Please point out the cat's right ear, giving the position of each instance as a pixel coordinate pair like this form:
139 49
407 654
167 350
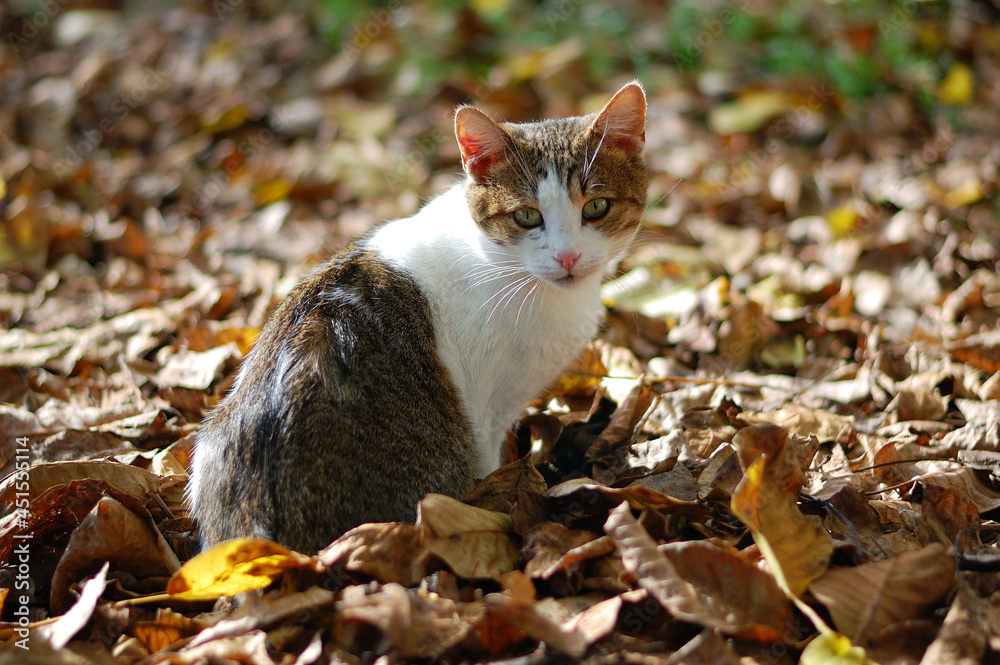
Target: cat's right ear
482 142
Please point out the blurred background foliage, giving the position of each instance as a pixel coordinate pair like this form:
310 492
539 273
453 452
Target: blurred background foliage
862 48
205 110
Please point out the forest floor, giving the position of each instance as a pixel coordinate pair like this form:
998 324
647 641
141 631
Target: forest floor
789 425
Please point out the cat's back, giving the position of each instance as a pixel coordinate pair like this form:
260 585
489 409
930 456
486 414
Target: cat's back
307 444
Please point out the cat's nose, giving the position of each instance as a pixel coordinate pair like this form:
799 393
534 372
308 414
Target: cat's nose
568 260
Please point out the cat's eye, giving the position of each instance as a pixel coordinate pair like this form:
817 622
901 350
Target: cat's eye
595 209
528 218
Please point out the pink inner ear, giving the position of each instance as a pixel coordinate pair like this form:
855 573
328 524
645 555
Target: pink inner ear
480 140
622 122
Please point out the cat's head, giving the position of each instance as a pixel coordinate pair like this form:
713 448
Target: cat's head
562 197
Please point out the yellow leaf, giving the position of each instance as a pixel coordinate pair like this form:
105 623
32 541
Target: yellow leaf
233 567
833 649
958 85
583 376
490 7
842 220
964 194
748 113
3 188
272 191
244 337
797 547
231 118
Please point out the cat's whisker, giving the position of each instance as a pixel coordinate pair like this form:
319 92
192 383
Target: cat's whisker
498 294
527 296
506 294
511 294
488 279
485 274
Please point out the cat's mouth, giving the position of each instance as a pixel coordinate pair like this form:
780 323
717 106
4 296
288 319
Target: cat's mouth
568 280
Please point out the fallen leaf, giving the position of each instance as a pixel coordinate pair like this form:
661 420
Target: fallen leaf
968 628
747 602
418 625
473 542
195 370
958 86
694 594
833 649
751 111
867 598
522 614
59 634
796 546
391 552
233 567
131 480
110 532
167 628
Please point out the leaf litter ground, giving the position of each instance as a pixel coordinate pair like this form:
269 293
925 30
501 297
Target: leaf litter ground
790 421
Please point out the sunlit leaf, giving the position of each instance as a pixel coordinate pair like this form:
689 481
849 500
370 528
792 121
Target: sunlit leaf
272 191
748 113
833 649
842 220
958 86
796 546
233 567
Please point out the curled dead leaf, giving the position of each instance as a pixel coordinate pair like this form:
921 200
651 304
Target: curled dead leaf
796 546
110 532
473 542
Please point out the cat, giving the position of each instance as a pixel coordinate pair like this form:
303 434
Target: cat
398 367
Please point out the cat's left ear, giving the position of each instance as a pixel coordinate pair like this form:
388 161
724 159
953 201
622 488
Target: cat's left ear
482 141
622 121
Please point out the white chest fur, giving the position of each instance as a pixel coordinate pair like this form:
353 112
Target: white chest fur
502 334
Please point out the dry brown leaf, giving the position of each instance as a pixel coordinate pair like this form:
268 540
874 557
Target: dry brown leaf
967 482
111 532
473 542
916 402
591 550
700 593
417 624
746 328
195 370
548 543
866 599
263 612
970 625
583 375
167 628
391 552
59 634
621 430
891 468
494 492
138 483
950 509
637 495
650 568
879 528
825 426
746 600
522 614
981 351
796 546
